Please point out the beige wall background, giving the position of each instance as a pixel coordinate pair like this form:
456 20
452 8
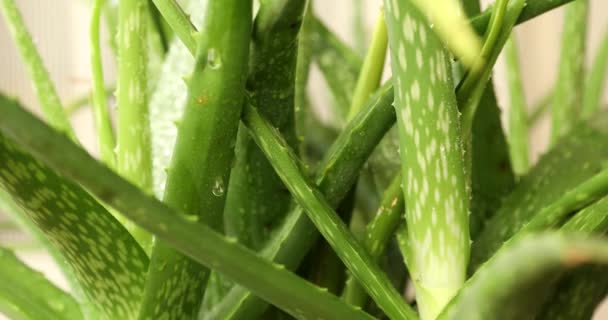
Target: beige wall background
60 28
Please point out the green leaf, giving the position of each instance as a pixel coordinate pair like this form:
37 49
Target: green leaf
545 185
491 174
257 199
103 123
133 151
201 162
451 26
21 218
596 80
26 294
178 20
329 224
377 235
532 9
518 118
568 92
434 180
45 90
105 259
269 281
507 286
336 175
578 293
168 102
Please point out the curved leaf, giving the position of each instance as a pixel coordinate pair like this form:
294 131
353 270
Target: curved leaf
105 259
545 184
505 287
270 281
26 294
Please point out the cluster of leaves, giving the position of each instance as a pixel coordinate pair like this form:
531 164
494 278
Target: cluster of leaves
211 194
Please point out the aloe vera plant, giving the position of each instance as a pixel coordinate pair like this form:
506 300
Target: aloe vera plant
221 193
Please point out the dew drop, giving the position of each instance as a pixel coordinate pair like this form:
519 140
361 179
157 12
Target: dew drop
218 187
214 61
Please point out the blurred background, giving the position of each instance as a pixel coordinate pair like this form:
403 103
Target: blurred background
60 29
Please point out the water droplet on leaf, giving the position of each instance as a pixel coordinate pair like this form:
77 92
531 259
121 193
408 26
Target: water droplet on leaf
218 187
214 61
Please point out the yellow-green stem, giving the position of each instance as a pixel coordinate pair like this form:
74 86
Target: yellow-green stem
373 65
133 148
105 134
518 119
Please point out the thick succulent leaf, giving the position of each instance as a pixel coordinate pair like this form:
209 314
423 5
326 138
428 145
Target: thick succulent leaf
491 174
168 101
435 184
532 9
43 85
568 93
578 293
335 177
378 232
505 287
105 259
269 281
329 224
452 27
26 294
201 162
257 199
20 217
545 184
596 80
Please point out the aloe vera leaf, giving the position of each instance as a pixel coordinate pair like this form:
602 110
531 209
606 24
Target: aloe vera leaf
377 235
302 109
596 80
322 266
105 133
133 151
471 7
580 291
471 90
337 173
30 295
518 119
43 85
300 220
339 66
371 71
546 188
491 175
270 281
257 199
168 101
434 179
333 229
104 258
532 9
504 287
19 216
179 21
568 91
451 26
201 161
